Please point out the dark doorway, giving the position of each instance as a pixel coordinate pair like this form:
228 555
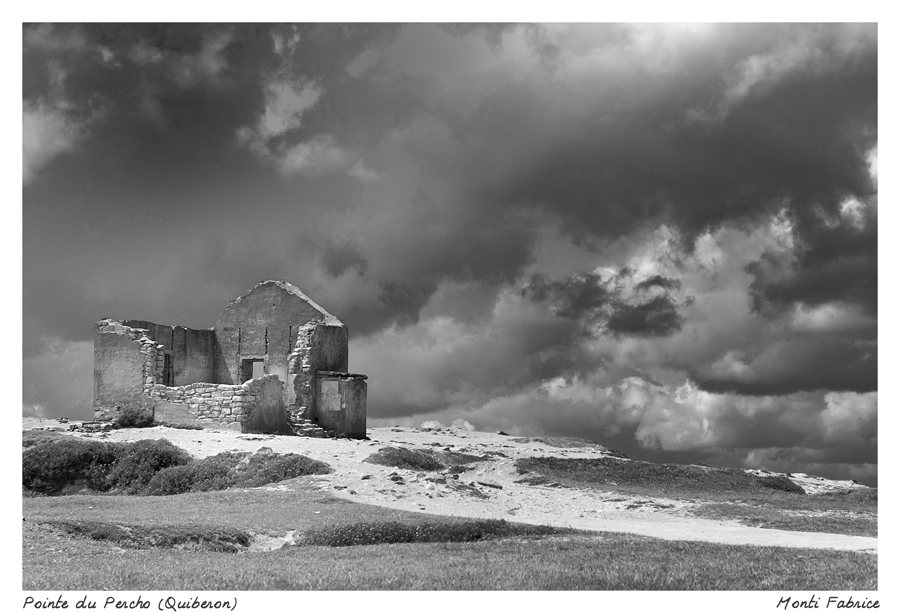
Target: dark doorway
252 369
168 373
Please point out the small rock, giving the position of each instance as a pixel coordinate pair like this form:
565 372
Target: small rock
365 477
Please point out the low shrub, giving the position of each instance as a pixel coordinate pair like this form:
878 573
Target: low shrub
781 483
138 462
230 469
261 469
48 467
31 438
204 475
400 457
198 538
376 533
134 417
150 467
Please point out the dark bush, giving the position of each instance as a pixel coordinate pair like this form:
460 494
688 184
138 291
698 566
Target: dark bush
134 417
230 469
375 533
170 481
150 467
31 438
262 469
48 467
138 462
204 475
400 457
781 483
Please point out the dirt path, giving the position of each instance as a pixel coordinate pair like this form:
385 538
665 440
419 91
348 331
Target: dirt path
490 490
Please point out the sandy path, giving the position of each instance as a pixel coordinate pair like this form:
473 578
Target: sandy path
490 489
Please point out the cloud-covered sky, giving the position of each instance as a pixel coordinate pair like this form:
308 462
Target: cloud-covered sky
661 237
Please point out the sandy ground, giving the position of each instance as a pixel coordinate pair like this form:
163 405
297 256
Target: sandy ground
489 490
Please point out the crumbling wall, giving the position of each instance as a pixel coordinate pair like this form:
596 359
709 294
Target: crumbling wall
126 359
207 404
192 352
341 402
268 413
318 347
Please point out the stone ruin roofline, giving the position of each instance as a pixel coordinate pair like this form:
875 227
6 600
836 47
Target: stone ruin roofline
330 320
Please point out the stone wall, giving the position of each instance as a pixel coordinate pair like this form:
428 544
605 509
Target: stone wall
341 402
318 347
125 361
263 324
193 352
210 403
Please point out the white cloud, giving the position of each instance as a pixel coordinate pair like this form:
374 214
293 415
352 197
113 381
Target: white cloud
286 102
850 419
313 157
47 131
285 45
362 172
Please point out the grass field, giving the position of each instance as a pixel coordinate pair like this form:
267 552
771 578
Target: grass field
54 558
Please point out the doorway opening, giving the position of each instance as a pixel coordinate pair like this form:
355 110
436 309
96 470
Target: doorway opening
253 368
168 373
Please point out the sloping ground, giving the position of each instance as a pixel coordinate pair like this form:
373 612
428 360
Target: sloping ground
480 479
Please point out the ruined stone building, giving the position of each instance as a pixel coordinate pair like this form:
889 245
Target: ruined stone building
274 362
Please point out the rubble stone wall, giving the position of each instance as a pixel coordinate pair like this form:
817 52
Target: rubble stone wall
210 402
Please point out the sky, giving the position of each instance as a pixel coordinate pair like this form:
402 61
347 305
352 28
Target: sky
659 237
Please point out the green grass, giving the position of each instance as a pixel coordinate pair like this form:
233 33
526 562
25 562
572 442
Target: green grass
304 507
613 562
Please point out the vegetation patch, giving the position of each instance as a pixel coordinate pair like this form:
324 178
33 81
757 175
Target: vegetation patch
568 442
647 477
134 417
48 467
426 459
230 469
196 538
401 457
379 533
30 438
51 465
800 520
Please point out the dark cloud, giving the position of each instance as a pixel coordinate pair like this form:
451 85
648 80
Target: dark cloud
336 260
657 317
588 298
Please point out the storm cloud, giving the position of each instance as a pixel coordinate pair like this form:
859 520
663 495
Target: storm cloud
663 236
